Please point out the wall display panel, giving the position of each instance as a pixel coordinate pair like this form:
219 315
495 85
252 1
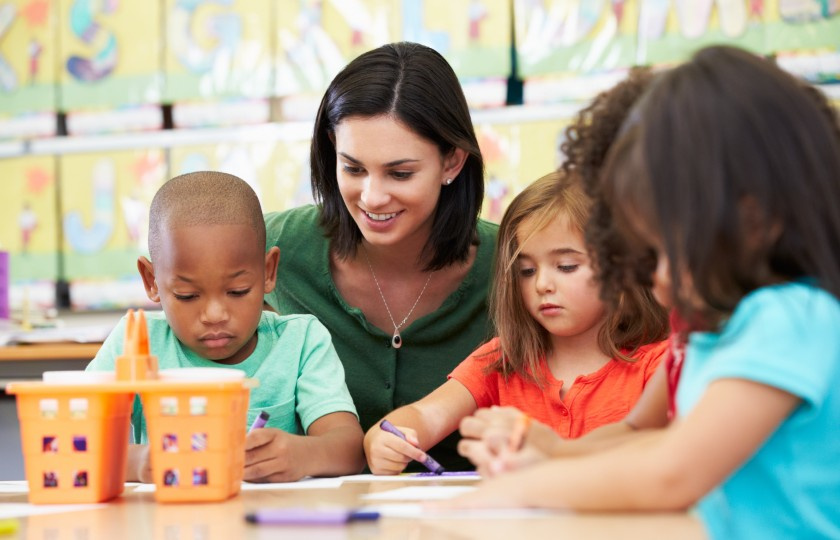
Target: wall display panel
29 228
670 31
218 48
515 155
574 36
110 54
278 171
104 199
27 68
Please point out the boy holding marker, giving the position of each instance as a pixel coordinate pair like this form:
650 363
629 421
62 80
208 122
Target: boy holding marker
212 302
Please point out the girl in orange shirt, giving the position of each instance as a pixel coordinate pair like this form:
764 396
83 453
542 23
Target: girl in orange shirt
562 355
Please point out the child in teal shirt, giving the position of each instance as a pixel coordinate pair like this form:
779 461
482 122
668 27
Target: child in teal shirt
209 271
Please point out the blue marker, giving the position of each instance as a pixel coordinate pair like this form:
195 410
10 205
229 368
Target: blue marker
259 421
430 463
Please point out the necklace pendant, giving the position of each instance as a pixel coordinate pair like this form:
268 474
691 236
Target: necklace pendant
396 341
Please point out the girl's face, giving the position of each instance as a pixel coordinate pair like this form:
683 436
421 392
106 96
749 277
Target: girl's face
556 279
390 178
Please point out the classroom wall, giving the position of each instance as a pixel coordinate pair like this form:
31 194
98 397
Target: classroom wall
89 92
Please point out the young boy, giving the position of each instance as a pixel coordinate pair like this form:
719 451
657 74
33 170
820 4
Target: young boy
209 271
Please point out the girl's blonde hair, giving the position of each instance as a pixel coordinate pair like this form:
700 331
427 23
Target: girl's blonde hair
634 321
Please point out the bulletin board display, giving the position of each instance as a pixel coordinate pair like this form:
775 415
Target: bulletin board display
104 199
218 48
574 36
27 57
515 155
317 38
109 54
274 169
29 228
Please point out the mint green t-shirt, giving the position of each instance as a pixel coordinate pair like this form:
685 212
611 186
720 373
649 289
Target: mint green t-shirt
379 377
300 376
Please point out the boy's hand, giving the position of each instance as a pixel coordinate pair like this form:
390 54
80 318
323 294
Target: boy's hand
272 455
138 464
388 454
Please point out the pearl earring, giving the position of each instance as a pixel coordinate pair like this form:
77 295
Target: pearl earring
448 181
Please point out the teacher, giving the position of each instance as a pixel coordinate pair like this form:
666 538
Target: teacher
393 259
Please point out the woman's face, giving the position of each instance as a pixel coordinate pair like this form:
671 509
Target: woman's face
390 178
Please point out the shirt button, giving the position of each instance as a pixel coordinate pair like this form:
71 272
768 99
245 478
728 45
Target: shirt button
387 386
564 412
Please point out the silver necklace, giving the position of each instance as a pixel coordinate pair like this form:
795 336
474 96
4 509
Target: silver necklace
396 339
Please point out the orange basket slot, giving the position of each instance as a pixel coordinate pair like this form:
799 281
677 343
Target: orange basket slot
74 440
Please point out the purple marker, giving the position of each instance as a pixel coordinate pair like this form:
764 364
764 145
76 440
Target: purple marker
430 463
259 421
308 516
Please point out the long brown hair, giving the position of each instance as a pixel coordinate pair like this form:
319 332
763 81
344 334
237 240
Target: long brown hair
634 321
735 165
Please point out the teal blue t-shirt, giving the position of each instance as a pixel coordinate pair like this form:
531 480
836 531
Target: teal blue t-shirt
300 376
788 337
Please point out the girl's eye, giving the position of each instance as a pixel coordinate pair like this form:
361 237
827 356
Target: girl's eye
352 171
402 175
241 292
568 268
527 272
184 297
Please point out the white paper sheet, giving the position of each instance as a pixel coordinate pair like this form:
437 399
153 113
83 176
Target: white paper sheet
13 510
305 483
419 493
14 486
412 477
418 511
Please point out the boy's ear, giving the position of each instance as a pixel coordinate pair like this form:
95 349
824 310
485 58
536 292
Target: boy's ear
147 273
272 259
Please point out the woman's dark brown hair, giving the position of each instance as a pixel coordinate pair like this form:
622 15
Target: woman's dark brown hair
417 87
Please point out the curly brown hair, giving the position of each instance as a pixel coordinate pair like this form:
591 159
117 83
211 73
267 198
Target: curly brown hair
588 139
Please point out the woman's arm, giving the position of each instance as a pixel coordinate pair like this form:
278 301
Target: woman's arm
424 423
661 469
332 447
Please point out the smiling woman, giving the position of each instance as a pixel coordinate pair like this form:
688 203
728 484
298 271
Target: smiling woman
393 260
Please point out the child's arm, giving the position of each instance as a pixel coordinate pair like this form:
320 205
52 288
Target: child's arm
138 468
487 432
332 447
424 423
663 469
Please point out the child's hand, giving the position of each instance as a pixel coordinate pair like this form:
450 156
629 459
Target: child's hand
487 435
388 454
138 464
272 455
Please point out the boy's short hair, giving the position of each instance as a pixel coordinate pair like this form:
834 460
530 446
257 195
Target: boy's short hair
204 198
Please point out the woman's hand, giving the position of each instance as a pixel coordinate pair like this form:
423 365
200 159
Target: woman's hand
387 453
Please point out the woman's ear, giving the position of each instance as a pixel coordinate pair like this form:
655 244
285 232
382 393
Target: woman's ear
452 164
147 273
272 259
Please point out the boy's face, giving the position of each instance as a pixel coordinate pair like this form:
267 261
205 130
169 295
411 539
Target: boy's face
210 281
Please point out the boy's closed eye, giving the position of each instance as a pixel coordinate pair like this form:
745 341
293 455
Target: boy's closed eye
239 292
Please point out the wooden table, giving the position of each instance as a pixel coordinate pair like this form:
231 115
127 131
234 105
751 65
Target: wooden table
138 516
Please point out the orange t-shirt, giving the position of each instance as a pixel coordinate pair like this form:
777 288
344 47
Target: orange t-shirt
593 400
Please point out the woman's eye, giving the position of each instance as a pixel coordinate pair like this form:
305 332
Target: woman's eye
402 175
352 171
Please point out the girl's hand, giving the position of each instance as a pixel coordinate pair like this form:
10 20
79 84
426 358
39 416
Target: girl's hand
487 439
388 454
272 455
